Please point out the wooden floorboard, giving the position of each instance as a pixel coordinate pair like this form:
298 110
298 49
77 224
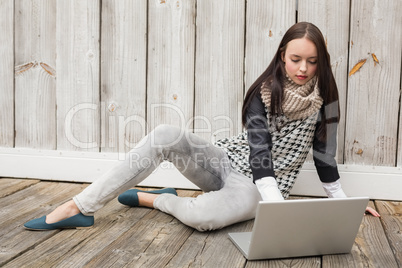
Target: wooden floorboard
371 248
391 218
10 186
142 237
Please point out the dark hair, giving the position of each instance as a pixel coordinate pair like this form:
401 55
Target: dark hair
275 74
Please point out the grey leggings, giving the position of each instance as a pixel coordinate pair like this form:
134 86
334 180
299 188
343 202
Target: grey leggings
229 196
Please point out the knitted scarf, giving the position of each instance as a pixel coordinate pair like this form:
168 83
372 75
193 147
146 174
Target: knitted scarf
299 101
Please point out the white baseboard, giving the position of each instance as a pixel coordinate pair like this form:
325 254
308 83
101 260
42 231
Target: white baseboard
357 180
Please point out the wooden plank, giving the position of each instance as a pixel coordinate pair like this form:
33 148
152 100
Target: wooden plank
293 262
219 68
132 246
332 18
35 106
399 152
7 73
371 248
211 249
266 23
24 205
35 75
78 116
9 186
371 136
123 74
171 56
391 218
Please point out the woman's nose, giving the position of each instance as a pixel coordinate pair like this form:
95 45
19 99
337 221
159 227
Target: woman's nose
303 67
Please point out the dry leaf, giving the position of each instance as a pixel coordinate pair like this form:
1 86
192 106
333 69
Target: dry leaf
357 67
270 33
375 59
359 152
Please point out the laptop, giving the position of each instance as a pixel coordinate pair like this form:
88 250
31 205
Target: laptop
302 227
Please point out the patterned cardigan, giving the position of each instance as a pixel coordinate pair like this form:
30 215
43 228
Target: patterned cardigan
279 150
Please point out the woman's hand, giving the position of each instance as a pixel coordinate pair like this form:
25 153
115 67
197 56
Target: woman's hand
372 212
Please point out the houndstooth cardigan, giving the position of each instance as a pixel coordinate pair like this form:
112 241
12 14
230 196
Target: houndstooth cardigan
279 150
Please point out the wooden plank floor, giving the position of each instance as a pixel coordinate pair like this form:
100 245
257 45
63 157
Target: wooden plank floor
142 237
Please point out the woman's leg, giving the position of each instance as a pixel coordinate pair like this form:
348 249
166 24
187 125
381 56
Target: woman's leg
198 160
236 202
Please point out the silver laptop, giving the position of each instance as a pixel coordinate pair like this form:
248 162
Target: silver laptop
303 227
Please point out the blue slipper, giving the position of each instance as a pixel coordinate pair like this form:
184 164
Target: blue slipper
130 197
76 221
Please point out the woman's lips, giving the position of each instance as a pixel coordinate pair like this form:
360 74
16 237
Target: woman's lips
301 77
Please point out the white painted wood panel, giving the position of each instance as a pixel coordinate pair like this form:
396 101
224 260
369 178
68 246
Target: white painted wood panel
35 75
123 74
374 90
332 18
266 23
7 73
399 149
219 68
78 116
171 56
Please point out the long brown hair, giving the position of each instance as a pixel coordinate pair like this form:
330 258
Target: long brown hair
275 74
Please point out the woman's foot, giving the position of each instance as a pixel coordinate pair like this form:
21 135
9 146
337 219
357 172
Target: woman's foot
136 197
146 199
63 212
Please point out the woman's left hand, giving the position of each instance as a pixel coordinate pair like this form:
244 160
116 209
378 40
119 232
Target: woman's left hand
372 212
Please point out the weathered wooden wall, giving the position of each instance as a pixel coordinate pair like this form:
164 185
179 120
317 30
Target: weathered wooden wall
98 75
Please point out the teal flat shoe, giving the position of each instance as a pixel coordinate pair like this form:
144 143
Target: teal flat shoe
76 221
130 197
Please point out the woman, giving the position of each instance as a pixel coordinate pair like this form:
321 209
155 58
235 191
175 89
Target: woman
290 108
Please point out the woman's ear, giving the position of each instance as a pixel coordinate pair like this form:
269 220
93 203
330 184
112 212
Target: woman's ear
283 56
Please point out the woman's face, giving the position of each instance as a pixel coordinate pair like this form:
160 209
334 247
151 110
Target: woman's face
300 60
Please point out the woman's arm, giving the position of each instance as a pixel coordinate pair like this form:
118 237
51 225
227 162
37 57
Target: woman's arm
260 143
324 152
324 159
259 140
